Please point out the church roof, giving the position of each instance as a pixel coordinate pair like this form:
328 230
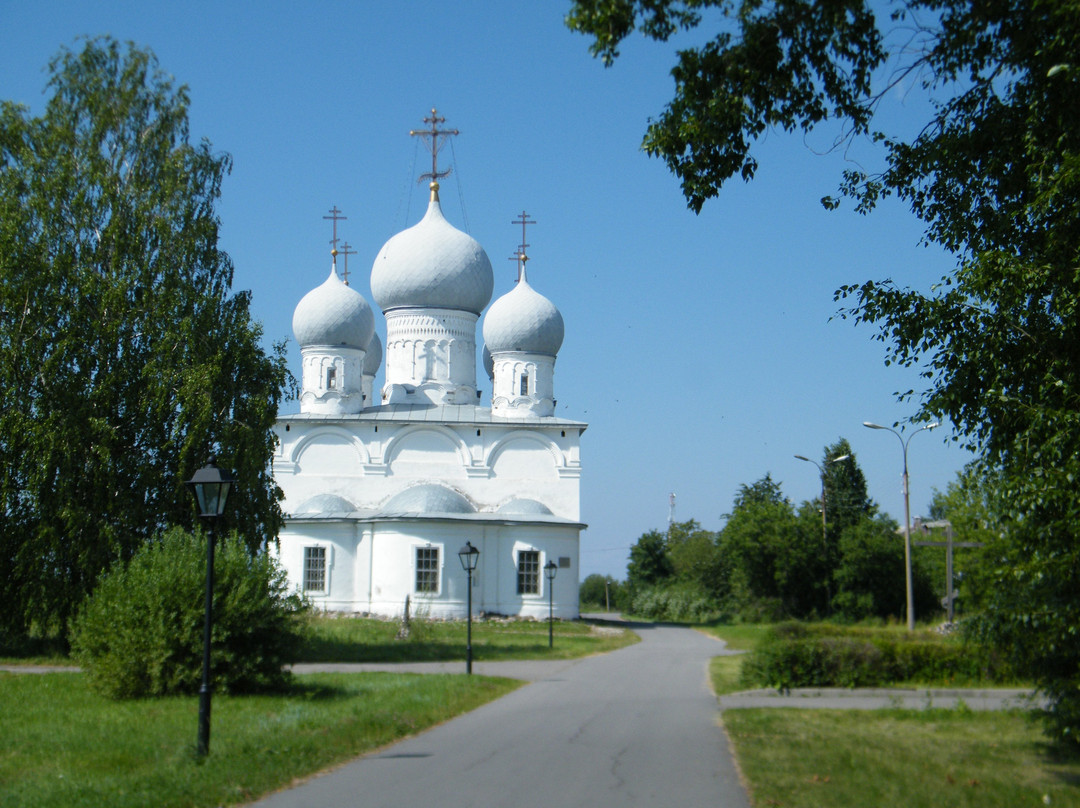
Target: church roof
325 503
434 414
524 507
432 265
428 498
333 314
523 320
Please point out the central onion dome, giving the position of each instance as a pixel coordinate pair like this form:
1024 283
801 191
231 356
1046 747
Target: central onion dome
432 265
333 314
523 320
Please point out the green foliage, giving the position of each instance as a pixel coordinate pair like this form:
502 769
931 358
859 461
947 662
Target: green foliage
798 655
870 576
649 560
677 602
994 175
141 632
787 65
601 591
775 559
125 362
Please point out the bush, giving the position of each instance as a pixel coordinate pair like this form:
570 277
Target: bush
677 602
799 655
598 591
140 633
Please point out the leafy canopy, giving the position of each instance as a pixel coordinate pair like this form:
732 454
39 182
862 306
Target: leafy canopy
125 359
993 174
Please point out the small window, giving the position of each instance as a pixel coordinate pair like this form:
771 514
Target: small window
314 569
331 378
525 385
528 572
427 569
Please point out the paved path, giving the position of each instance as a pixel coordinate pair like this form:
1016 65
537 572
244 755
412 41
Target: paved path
829 698
636 727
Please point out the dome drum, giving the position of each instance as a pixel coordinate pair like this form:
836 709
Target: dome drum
523 385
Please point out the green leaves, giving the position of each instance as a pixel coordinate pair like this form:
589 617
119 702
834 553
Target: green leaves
121 344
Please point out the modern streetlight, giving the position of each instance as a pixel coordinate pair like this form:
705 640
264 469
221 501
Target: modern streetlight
907 514
550 570
211 488
824 535
468 555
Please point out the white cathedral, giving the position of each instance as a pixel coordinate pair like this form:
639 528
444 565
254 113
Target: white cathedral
381 494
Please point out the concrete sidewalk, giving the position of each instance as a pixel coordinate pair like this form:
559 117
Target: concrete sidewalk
830 698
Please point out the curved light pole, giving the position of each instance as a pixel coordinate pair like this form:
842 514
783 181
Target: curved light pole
907 514
824 535
210 486
550 570
468 555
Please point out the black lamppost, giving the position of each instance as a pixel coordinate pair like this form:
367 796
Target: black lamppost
907 514
211 488
550 569
468 555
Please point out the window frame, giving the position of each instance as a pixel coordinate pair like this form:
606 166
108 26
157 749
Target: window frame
305 578
535 557
434 571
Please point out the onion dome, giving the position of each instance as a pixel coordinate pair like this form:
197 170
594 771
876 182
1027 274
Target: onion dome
432 265
489 362
373 357
523 320
333 314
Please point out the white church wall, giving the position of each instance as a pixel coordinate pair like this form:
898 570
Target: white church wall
339 541
394 564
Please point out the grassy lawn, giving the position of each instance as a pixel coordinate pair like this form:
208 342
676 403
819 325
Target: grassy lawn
889 758
62 745
345 639
900 759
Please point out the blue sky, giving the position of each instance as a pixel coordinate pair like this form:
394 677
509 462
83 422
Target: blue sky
698 347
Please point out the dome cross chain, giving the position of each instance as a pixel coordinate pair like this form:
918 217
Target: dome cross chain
434 138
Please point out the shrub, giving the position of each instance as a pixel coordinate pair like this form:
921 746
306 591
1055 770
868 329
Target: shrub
140 633
678 602
799 655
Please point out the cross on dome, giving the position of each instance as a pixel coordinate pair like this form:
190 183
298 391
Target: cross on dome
346 251
434 138
524 220
335 214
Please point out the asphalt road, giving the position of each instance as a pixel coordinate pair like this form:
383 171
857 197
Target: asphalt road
637 727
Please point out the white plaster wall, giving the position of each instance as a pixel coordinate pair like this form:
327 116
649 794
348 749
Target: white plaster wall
367 467
342 540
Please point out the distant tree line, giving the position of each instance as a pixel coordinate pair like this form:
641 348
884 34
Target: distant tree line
774 560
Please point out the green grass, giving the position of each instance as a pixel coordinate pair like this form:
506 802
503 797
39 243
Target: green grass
347 639
739 637
900 759
62 745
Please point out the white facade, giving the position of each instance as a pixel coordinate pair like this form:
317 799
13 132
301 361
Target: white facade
381 496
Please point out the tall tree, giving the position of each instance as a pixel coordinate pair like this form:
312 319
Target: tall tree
994 174
846 497
125 359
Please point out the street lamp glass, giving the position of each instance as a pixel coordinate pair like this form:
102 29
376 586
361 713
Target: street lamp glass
550 569
211 486
468 555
